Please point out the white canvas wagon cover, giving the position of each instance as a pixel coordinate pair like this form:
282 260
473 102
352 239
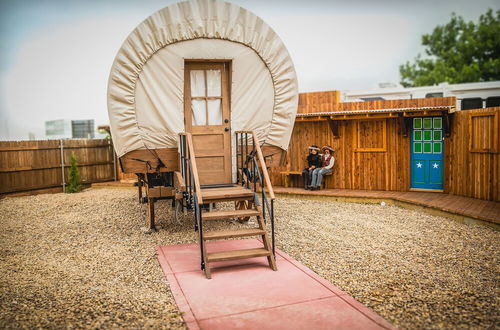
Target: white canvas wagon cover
146 84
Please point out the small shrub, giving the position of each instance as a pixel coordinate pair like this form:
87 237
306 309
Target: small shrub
74 177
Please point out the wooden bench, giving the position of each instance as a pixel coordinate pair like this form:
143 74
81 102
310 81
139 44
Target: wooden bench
286 177
323 182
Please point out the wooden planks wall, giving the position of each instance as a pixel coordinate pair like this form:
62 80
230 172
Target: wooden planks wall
352 170
329 102
393 104
318 101
125 177
473 172
31 166
370 154
472 159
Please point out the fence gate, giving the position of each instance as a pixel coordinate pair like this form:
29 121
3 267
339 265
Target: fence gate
427 147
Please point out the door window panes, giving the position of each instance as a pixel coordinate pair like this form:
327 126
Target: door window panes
427 135
417 135
438 135
437 146
197 83
214 112
417 147
417 123
199 116
438 122
427 147
427 123
214 83
206 97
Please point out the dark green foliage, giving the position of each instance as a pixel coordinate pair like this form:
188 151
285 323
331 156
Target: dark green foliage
74 176
457 52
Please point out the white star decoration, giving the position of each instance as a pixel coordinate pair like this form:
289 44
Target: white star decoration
435 165
419 165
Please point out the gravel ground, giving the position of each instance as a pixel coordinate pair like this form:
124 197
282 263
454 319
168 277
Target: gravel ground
81 260
414 269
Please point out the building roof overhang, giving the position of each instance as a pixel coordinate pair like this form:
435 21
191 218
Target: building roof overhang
376 113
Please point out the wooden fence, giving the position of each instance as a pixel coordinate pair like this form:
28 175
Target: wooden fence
318 101
381 170
472 160
37 166
472 157
329 102
370 160
393 104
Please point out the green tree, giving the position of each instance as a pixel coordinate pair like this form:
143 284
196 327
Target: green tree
74 176
457 52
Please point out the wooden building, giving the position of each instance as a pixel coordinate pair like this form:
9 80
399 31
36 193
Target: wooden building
399 145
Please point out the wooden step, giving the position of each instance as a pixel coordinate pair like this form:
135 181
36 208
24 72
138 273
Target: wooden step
226 193
237 254
228 214
233 233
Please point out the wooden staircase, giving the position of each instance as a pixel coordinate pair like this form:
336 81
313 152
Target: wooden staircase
244 195
235 194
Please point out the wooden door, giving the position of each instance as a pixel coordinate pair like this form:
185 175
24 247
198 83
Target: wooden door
427 146
207 118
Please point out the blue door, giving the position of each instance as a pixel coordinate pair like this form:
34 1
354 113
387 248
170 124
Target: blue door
427 149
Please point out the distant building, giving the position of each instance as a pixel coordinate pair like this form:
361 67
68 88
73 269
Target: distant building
469 95
70 129
82 129
58 129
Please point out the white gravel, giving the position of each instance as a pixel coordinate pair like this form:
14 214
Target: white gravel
81 261
414 269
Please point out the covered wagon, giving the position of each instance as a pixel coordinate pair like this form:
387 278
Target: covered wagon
202 97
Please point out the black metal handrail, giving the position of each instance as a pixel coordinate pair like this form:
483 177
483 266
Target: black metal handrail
192 194
249 174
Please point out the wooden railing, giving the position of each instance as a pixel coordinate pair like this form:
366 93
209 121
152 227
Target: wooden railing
242 143
263 167
189 168
193 196
252 170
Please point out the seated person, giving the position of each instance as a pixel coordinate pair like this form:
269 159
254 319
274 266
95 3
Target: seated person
327 162
313 162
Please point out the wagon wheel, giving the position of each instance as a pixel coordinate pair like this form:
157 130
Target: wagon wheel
243 205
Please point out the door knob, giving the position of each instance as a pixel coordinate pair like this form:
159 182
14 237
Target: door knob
226 129
226 121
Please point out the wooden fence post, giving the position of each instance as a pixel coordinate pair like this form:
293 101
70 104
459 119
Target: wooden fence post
113 154
62 165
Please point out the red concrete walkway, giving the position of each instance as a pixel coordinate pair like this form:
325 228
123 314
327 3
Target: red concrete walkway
247 294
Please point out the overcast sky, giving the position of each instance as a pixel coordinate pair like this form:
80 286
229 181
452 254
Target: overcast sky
55 56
